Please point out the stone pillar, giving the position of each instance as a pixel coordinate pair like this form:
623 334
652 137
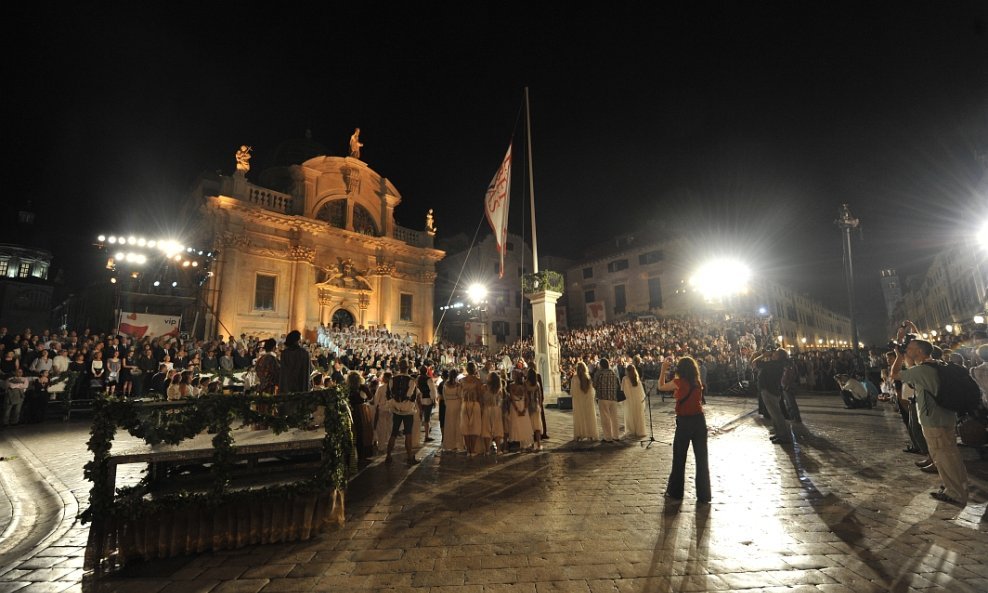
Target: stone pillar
547 341
227 302
302 262
385 300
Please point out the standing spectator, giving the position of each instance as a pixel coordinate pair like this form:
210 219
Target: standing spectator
60 363
939 424
268 368
605 383
296 367
16 386
403 395
691 427
980 373
429 394
771 366
358 397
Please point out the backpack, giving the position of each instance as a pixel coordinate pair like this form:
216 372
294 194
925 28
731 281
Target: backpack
958 391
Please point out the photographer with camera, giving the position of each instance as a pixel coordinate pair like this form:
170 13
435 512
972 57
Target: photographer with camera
938 423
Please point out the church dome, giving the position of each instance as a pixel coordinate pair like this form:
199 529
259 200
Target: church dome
290 152
297 151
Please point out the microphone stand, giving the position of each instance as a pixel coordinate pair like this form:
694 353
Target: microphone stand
651 430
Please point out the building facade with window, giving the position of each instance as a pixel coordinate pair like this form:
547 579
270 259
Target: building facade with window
25 291
316 244
631 276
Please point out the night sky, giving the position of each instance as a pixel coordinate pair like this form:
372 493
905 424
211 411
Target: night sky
744 124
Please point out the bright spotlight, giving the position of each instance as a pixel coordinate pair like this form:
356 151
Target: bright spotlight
949 328
101 238
983 235
152 243
979 318
132 240
142 242
762 311
111 240
113 280
141 258
174 284
477 292
157 282
721 278
119 255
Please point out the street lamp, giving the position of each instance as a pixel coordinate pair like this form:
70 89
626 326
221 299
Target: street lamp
477 293
846 222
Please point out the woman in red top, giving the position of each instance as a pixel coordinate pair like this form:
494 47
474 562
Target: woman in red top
691 427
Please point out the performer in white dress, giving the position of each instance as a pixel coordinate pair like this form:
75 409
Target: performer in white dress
634 404
584 410
452 436
491 416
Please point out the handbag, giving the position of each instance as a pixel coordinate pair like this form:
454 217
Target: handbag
620 395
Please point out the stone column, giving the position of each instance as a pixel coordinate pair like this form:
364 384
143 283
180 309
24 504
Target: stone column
385 301
302 258
547 341
226 308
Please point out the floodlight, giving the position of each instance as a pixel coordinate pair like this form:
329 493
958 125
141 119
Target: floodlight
983 235
949 328
101 238
111 240
720 278
477 292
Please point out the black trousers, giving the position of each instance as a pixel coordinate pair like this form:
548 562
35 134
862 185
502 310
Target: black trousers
690 429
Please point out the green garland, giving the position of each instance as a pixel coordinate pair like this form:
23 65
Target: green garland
216 413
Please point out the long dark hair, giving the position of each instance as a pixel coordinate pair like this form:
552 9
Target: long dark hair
688 370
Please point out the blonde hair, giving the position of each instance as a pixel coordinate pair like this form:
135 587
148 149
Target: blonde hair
632 374
583 375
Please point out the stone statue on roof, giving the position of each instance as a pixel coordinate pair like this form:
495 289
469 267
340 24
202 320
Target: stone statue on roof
355 144
243 158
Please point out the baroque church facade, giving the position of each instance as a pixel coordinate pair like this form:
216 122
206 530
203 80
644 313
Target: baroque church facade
313 243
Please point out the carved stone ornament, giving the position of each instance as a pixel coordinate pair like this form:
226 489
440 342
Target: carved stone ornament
231 239
345 275
384 269
302 253
429 276
351 179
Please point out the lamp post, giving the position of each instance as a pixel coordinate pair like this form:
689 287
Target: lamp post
846 223
477 293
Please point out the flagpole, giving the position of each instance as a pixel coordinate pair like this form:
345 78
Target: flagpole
531 186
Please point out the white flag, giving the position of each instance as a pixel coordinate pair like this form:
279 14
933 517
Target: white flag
496 205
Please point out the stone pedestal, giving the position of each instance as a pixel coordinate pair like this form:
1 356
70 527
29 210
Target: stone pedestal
547 342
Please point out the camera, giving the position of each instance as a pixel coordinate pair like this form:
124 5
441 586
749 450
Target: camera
900 347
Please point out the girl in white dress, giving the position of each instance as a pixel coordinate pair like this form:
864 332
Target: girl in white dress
584 411
452 436
491 417
634 405
533 396
519 423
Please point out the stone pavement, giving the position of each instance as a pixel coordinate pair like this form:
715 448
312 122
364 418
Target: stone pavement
842 510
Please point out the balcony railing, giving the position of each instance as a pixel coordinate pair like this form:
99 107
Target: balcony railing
270 200
413 237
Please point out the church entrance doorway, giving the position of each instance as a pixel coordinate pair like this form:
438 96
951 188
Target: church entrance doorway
343 319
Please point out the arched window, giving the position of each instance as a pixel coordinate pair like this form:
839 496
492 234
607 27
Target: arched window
334 213
363 222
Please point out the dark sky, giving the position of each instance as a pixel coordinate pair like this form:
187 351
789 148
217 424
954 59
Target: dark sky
746 124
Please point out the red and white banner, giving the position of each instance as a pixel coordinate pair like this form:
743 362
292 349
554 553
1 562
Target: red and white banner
596 314
140 325
496 205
